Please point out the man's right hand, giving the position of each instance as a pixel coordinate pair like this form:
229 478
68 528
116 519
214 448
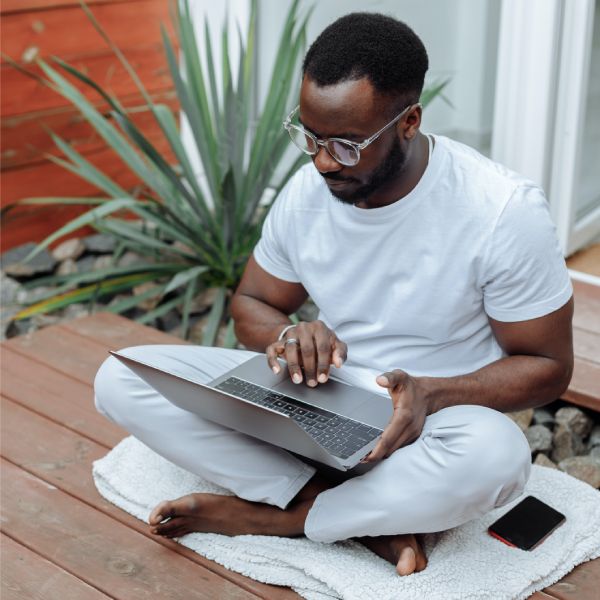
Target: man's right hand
309 346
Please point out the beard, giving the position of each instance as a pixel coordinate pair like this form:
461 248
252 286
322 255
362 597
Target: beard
386 172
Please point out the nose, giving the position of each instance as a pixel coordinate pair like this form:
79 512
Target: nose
325 163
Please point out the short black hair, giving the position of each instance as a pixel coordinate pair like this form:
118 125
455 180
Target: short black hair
372 45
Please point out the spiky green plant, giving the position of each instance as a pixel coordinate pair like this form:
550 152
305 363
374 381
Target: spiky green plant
193 234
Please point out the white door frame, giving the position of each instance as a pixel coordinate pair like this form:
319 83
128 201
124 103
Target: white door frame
540 102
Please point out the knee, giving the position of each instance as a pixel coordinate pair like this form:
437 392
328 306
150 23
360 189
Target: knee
109 384
497 457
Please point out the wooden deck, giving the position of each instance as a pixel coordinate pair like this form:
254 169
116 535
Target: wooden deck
60 539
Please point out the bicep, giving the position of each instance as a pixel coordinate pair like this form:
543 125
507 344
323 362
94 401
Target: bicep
260 285
550 336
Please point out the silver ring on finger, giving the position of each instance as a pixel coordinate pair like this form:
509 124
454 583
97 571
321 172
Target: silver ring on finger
291 341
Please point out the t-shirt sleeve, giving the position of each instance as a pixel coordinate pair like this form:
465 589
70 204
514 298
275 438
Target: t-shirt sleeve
525 276
272 252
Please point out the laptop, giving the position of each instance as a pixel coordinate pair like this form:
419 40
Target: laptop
335 424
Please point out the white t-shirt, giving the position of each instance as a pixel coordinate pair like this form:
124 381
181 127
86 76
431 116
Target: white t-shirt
410 285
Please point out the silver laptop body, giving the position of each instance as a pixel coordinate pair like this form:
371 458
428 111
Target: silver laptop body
335 423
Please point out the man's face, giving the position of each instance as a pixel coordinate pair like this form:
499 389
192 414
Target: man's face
354 111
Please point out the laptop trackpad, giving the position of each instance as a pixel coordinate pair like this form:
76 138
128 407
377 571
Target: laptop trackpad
333 396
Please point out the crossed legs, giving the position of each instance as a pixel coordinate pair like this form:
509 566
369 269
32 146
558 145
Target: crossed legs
468 460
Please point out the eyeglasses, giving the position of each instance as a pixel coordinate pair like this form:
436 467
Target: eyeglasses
345 152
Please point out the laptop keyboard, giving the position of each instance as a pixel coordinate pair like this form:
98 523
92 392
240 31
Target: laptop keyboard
339 435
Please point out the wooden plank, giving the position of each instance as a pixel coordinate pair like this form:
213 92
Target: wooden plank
584 389
47 179
56 396
148 60
586 345
582 583
66 352
67 32
64 458
28 576
114 331
25 140
10 6
587 306
92 546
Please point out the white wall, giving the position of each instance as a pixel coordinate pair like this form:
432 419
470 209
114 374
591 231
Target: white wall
461 41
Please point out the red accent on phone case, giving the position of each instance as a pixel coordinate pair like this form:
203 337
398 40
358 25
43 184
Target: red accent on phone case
498 537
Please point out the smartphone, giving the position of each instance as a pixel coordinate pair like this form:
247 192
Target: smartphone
527 524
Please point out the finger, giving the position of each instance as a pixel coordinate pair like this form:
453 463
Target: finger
392 437
307 353
392 379
292 358
340 352
272 352
324 347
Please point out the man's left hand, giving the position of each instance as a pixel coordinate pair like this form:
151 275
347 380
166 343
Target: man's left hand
410 410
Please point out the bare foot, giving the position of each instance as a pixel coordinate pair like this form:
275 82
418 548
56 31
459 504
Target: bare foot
228 515
404 551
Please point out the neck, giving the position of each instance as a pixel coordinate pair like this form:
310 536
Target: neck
417 157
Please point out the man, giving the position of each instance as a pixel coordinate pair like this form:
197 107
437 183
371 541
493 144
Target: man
439 282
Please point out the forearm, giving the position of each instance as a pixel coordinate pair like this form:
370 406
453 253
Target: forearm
509 384
256 324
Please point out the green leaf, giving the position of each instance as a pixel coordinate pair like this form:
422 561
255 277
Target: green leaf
184 277
214 318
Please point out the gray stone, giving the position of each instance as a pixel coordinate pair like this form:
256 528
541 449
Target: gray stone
20 327
586 468
86 264
522 418
34 295
169 321
595 452
41 263
202 302
542 416
543 461
100 243
72 249
75 311
6 315
9 289
104 261
566 444
131 258
594 440
67 267
575 419
539 438
151 302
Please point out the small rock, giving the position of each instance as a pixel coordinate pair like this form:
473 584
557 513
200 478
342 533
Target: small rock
34 295
104 261
75 311
72 249
131 258
594 440
100 243
566 444
6 315
197 330
151 302
543 461
44 320
9 289
522 418
20 327
11 261
67 267
586 468
86 264
576 420
595 452
542 416
169 321
539 438
202 302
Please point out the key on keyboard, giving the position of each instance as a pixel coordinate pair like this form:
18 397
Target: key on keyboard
339 435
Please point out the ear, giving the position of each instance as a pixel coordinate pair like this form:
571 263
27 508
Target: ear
411 123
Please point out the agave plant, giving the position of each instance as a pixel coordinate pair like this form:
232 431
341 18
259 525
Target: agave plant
192 233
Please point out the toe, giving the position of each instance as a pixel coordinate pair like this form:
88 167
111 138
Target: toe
170 528
407 562
162 511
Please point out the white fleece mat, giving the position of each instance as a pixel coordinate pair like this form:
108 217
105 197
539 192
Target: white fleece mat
465 563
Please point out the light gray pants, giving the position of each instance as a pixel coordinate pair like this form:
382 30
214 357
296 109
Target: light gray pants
467 461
